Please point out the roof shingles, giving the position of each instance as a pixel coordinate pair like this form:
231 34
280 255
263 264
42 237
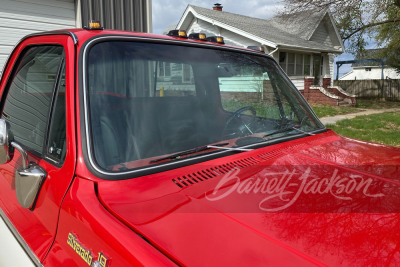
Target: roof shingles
293 31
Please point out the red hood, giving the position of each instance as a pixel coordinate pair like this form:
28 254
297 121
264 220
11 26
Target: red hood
292 203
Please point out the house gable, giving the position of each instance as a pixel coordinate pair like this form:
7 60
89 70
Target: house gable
301 24
274 32
186 19
191 13
327 33
230 38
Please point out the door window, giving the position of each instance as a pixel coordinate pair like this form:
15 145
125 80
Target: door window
30 94
56 147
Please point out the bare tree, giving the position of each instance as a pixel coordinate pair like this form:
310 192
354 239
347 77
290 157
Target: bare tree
358 20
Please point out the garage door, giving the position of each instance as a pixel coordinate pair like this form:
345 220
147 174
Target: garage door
21 17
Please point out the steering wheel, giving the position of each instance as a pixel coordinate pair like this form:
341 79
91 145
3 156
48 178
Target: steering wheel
242 129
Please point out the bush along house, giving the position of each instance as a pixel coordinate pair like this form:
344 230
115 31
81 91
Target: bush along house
304 44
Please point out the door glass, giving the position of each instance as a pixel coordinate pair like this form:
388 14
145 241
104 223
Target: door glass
29 97
56 147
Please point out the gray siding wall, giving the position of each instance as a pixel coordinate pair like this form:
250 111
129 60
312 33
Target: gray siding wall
321 35
298 82
129 15
229 37
19 18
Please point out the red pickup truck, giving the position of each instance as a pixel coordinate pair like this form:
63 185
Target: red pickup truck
124 149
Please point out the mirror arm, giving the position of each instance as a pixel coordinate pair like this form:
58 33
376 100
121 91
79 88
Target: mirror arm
24 155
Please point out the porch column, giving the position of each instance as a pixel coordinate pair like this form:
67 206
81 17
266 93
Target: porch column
308 82
326 82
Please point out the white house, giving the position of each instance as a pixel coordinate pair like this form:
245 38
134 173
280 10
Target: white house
370 70
22 17
304 44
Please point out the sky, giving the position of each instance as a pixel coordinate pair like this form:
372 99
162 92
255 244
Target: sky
169 12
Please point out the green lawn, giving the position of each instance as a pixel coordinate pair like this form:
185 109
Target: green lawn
327 110
376 104
381 128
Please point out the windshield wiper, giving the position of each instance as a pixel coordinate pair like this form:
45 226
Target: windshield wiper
230 148
286 129
191 151
301 131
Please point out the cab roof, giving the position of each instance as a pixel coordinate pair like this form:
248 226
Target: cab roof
80 36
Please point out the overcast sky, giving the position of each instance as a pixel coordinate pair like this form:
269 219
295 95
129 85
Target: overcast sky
169 12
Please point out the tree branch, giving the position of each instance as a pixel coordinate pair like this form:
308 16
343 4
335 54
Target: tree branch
371 25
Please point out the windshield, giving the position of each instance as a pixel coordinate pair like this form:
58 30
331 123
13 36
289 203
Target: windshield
152 103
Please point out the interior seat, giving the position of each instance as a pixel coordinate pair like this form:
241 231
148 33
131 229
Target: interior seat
113 136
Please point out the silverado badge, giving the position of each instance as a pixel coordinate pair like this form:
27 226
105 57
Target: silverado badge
86 254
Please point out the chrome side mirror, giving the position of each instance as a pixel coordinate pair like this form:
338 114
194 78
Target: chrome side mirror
28 180
29 177
5 139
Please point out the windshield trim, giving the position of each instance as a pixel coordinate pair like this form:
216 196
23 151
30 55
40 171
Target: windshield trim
87 148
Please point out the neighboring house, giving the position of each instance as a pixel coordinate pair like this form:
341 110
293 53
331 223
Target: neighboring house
21 17
175 77
370 70
304 44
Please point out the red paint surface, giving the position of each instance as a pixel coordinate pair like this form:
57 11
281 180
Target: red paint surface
316 229
152 221
38 228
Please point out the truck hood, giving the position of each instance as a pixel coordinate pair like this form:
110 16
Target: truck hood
319 200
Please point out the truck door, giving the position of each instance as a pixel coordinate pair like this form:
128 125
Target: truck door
37 94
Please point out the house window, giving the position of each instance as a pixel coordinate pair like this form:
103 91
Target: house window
164 69
186 73
295 64
177 66
290 64
299 65
161 70
167 69
367 69
282 60
307 65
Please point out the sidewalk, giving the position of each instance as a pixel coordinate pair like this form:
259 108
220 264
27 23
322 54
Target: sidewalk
334 119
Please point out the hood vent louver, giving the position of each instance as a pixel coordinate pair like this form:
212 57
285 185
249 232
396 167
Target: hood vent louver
282 152
209 173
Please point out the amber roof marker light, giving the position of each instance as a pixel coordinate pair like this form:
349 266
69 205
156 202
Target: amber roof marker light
178 33
216 39
94 25
198 36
